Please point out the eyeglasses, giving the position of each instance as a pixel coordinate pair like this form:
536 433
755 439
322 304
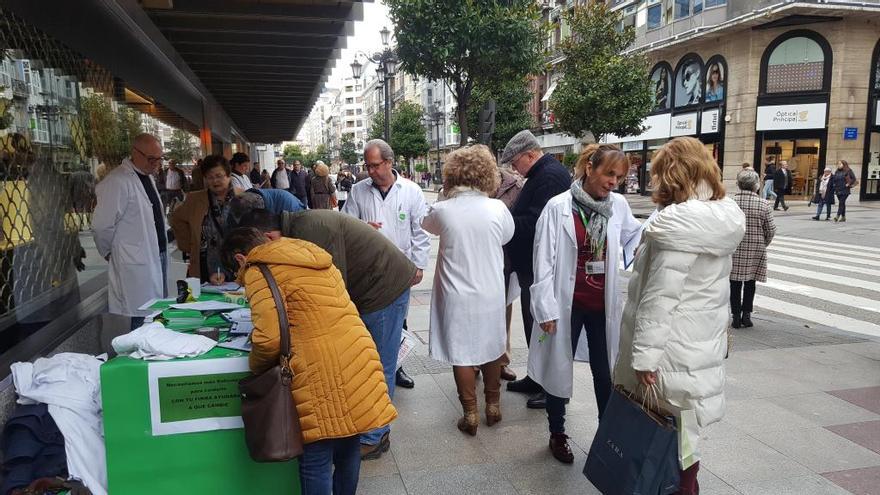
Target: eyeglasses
151 159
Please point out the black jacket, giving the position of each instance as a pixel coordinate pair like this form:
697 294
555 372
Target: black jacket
782 180
546 179
300 185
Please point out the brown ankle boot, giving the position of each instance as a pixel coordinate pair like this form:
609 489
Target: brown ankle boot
560 449
493 413
470 421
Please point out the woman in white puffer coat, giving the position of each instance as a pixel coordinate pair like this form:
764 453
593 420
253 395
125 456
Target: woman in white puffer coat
673 331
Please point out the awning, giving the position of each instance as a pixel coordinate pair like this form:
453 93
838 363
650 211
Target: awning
549 92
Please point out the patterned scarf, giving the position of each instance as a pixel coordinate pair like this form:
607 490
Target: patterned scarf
599 213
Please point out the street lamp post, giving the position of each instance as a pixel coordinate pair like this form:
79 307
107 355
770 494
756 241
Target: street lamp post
436 117
386 68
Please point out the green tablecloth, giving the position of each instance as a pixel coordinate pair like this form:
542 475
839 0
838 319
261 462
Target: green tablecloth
209 462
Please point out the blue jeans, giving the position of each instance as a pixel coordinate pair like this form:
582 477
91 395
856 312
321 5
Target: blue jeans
593 322
386 326
768 189
330 466
820 205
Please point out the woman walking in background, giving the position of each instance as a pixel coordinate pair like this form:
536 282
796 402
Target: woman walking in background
844 180
323 190
824 195
467 303
750 257
673 333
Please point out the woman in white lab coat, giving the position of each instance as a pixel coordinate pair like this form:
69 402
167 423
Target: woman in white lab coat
577 289
468 302
124 230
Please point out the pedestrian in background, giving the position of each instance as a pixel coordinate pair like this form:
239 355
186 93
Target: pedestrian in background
824 195
781 185
175 184
265 180
769 174
344 181
576 297
844 180
750 257
338 387
130 233
241 164
468 298
255 176
545 178
674 327
301 183
322 188
281 177
510 185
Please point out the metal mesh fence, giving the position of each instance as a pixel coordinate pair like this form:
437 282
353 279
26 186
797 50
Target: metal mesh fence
56 126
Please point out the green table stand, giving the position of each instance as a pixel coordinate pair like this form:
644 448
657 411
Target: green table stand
207 462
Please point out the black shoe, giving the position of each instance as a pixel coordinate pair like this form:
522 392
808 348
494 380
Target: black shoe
371 452
403 380
537 401
747 320
816 218
737 321
785 208
524 386
775 209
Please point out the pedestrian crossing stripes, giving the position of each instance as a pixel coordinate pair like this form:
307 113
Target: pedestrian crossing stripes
827 283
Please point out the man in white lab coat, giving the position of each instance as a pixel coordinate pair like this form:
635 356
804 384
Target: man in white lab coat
130 230
395 207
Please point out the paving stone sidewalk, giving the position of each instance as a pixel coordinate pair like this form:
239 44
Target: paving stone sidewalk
803 417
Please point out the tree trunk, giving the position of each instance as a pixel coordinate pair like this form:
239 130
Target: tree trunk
462 99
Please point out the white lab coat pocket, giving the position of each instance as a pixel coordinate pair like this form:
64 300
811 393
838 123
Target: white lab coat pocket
129 254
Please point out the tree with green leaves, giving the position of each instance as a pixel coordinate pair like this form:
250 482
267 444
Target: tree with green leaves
292 153
511 110
108 132
603 90
468 44
377 126
180 147
408 132
348 150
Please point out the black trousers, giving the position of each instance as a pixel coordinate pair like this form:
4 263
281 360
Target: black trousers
780 198
594 324
742 295
525 283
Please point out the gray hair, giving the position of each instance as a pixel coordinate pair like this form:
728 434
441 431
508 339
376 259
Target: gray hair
521 142
384 149
245 202
747 180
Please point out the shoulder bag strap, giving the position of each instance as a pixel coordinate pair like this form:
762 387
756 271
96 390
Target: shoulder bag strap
282 315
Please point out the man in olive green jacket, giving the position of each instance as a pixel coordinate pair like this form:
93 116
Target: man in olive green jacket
377 275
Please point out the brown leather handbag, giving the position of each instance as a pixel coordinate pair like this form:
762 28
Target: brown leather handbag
271 424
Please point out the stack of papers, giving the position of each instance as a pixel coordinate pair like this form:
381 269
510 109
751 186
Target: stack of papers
219 289
241 321
188 319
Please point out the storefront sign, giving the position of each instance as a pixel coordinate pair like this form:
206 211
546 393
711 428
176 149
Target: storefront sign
709 124
684 125
656 127
850 133
190 396
790 117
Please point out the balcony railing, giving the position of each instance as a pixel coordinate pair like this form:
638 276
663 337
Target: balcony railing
19 88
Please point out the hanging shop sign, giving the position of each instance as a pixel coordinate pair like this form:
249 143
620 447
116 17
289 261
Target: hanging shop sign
791 117
710 121
190 396
684 125
656 127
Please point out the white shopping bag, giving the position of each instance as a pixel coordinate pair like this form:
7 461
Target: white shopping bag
407 344
688 438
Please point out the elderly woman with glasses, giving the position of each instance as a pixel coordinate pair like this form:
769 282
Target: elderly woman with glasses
201 222
750 258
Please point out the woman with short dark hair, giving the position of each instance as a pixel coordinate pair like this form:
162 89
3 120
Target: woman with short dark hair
201 221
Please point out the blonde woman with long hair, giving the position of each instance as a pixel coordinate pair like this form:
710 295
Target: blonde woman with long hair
673 333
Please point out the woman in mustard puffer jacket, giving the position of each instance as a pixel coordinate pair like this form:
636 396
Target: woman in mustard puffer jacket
338 384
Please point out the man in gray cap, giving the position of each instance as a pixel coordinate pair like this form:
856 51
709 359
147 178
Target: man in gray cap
546 177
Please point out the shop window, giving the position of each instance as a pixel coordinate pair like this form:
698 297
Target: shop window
655 16
795 65
714 3
716 80
689 81
661 81
698 6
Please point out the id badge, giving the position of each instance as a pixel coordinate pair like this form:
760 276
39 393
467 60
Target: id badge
594 267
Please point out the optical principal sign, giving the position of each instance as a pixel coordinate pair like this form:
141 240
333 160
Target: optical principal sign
684 125
791 117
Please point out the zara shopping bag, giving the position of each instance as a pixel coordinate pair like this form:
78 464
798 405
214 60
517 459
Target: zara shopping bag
271 424
635 450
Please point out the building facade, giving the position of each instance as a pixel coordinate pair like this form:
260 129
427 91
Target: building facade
763 81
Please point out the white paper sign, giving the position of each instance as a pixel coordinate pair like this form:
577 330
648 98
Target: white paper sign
656 127
785 117
877 115
195 395
683 125
709 123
